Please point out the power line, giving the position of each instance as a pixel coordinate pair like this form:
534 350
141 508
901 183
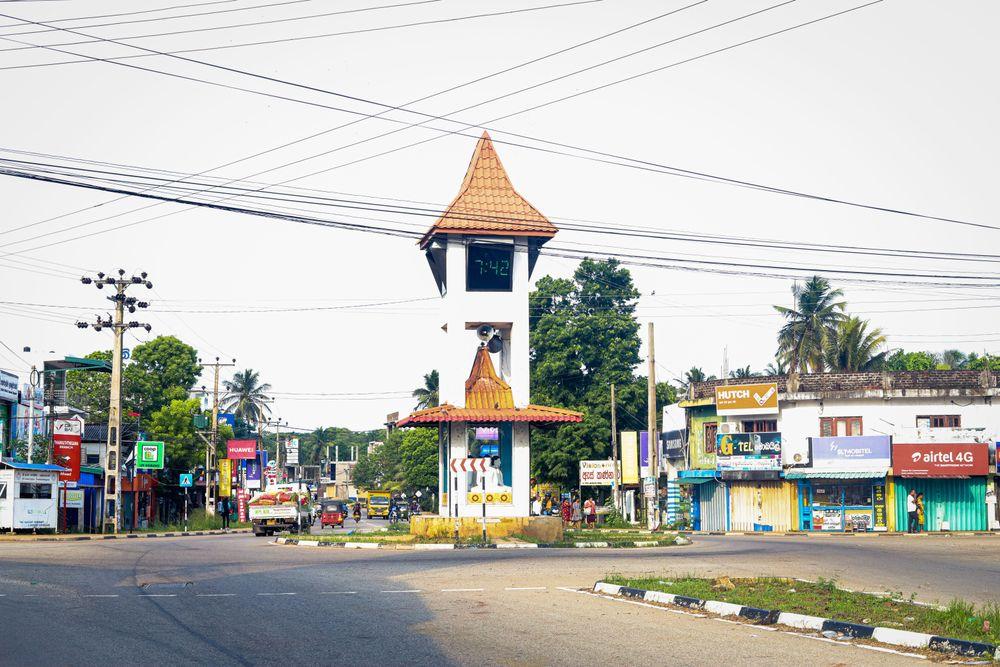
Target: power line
142 11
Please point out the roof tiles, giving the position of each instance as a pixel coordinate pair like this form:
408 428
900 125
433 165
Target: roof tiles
487 202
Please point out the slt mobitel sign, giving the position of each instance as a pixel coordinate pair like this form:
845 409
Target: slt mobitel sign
746 399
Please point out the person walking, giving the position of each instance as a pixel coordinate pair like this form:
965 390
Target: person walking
920 512
224 510
576 516
566 511
911 512
590 512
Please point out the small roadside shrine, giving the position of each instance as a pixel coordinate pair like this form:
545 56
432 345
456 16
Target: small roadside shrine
28 495
482 252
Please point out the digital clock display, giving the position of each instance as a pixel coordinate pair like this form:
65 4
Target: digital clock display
489 268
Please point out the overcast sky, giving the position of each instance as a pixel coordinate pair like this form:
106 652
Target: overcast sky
894 104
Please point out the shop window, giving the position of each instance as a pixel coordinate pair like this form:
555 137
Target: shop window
833 426
36 491
858 495
939 421
760 426
93 459
711 430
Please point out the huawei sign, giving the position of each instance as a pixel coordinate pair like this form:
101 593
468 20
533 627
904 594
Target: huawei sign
940 460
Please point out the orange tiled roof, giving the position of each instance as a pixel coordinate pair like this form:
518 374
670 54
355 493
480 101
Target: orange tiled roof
484 390
535 414
488 204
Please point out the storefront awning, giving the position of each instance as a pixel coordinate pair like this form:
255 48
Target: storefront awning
695 476
833 474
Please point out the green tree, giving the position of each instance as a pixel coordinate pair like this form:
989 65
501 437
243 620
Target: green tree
776 367
90 390
584 336
694 374
419 458
852 347
246 397
954 359
742 373
174 425
160 371
818 309
381 467
975 362
427 396
900 360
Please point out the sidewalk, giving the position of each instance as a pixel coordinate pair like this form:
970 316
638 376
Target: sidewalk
72 537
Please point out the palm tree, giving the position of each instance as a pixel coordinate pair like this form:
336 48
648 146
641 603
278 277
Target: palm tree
693 375
246 397
809 324
742 373
427 396
853 348
776 367
954 359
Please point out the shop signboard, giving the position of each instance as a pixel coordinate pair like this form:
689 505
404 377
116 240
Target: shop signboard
878 499
66 436
292 452
940 459
852 453
253 474
748 451
8 387
630 457
71 499
597 473
644 470
225 478
241 505
241 449
747 399
149 455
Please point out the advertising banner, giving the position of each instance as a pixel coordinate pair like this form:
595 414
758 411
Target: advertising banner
644 454
149 455
8 387
597 473
292 452
225 478
748 451
940 459
630 457
241 505
253 474
747 399
241 449
71 499
66 436
852 453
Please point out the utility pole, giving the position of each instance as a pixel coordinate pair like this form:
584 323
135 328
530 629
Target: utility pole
617 489
111 508
33 378
652 502
212 448
276 423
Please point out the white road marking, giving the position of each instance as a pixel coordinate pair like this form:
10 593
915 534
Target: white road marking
338 592
157 595
526 588
277 593
460 590
100 596
215 595
412 590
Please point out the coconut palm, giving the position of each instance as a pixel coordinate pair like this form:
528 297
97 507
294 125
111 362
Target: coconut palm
776 367
954 359
853 348
427 396
817 312
246 397
742 373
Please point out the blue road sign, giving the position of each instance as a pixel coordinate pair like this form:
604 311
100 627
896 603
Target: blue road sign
186 480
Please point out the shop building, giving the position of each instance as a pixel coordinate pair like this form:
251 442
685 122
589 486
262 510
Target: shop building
28 496
838 435
8 410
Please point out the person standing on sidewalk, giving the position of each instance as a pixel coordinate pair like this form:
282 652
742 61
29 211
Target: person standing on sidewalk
577 516
224 510
920 512
911 512
590 512
566 511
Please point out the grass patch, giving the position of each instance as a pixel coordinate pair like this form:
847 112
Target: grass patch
959 620
385 537
198 520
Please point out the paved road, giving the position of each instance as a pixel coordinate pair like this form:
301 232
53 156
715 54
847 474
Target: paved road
242 600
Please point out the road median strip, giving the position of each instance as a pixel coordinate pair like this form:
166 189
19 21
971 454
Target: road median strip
830 628
121 536
446 546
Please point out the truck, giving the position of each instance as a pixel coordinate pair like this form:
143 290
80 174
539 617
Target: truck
378 504
280 508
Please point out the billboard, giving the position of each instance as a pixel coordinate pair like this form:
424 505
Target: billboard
852 452
748 451
941 459
597 473
746 399
292 452
66 436
241 449
630 457
149 455
225 478
253 474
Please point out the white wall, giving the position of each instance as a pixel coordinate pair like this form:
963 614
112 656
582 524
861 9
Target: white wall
520 481
7 504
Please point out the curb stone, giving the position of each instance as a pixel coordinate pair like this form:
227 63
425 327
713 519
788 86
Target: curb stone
774 616
121 536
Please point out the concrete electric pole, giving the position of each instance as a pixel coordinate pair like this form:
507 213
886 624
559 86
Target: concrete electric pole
212 448
111 509
652 502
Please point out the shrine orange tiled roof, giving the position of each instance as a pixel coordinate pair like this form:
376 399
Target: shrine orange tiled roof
488 204
489 399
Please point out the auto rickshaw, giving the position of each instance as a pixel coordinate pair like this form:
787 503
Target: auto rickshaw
332 513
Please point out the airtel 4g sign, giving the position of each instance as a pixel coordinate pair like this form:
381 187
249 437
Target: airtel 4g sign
940 460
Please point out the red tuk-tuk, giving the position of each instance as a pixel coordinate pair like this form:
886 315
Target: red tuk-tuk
332 513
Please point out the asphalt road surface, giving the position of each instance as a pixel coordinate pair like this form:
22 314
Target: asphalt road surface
244 600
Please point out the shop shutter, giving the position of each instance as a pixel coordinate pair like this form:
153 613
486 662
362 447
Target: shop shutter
712 505
769 505
961 503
